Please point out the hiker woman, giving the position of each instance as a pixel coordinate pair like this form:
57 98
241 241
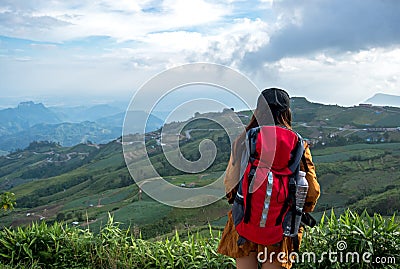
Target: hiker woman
272 112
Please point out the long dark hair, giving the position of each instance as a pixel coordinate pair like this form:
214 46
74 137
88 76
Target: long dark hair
273 107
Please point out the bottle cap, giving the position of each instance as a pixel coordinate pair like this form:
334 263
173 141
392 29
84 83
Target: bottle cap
302 173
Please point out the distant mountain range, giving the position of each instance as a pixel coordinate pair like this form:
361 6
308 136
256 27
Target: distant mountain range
381 99
66 134
68 126
24 116
82 113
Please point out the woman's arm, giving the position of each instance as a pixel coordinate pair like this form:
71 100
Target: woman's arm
313 185
233 170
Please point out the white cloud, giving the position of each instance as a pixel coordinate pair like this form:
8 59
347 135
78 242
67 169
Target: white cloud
225 44
121 69
346 80
177 41
122 20
306 27
111 46
190 13
229 44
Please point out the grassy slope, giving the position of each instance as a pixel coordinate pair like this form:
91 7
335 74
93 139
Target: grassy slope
353 175
92 199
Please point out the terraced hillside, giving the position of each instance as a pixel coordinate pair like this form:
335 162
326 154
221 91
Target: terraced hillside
357 164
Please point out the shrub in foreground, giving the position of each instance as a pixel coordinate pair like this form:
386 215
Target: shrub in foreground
62 246
352 241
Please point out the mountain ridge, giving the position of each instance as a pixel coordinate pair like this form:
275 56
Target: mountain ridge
25 115
382 99
84 113
31 121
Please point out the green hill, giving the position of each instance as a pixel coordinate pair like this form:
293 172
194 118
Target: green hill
84 182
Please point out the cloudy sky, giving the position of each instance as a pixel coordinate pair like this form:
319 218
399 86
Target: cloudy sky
331 51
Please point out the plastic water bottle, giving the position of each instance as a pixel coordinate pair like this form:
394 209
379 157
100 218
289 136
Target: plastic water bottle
301 190
301 193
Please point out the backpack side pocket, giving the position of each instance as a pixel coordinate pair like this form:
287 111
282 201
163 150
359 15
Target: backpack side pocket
237 210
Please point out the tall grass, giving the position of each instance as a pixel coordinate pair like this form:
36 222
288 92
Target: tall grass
61 246
375 237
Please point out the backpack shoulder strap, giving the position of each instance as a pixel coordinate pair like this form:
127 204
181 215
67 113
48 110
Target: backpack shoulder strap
252 135
297 154
252 139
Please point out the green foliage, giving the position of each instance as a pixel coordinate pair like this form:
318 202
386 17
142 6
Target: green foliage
386 203
42 146
61 246
7 201
361 234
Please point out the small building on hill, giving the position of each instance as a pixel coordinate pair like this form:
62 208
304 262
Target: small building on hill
365 105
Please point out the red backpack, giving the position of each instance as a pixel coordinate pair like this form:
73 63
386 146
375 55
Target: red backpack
263 197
